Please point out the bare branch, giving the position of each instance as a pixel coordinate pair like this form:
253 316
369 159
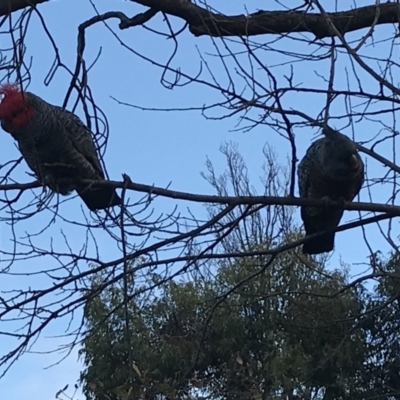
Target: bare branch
204 22
9 6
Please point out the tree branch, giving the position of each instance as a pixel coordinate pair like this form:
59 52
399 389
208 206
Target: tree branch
226 200
9 6
203 22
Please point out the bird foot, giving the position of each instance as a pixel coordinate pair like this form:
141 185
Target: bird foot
341 202
328 202
49 180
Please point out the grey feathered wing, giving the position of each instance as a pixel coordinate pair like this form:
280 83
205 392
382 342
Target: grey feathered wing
315 219
87 162
318 221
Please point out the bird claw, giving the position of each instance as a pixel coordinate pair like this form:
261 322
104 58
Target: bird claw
341 201
327 201
48 180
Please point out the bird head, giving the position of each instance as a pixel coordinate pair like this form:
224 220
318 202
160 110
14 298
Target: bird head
339 157
16 109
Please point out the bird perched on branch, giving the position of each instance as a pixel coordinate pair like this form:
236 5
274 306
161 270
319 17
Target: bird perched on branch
56 145
333 170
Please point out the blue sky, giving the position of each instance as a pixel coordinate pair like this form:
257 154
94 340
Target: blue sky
160 147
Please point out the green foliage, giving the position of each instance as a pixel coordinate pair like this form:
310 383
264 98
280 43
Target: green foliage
284 327
381 373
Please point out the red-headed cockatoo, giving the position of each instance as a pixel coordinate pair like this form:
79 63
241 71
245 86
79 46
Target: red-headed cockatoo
57 146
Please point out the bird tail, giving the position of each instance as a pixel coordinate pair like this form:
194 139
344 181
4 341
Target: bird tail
318 223
320 244
99 198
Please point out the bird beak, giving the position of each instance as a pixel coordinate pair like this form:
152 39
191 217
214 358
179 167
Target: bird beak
354 161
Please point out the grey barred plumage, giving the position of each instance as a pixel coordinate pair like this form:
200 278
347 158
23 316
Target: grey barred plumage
331 169
57 146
